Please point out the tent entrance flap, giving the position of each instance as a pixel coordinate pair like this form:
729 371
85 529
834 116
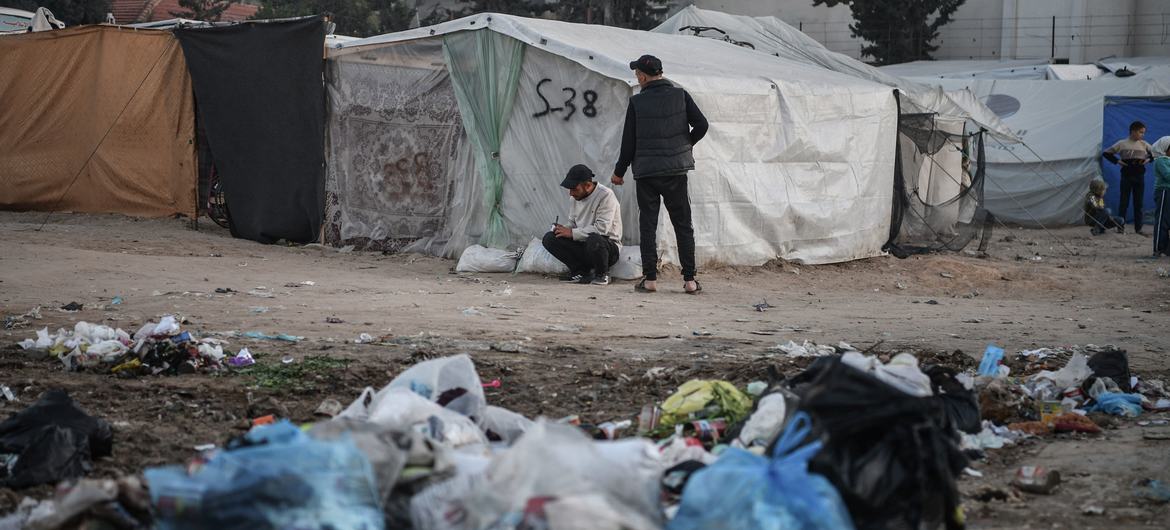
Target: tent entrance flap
939 202
485 70
1120 112
262 103
394 136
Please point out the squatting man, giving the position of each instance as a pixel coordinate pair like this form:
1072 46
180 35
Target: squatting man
589 243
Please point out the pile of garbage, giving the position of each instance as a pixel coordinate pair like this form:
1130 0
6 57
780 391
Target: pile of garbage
850 442
853 441
1092 380
157 348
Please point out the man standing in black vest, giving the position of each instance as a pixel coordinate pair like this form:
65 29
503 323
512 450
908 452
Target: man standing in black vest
662 125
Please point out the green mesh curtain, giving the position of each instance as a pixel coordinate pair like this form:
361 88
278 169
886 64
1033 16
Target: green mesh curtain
485 71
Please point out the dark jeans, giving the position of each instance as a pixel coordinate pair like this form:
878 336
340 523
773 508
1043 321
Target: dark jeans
1134 186
597 253
1162 221
1101 220
672 190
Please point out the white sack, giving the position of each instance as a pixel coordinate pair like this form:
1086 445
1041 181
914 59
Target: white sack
480 259
537 260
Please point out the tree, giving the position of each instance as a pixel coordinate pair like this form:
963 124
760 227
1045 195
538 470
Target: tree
897 30
205 10
357 18
71 12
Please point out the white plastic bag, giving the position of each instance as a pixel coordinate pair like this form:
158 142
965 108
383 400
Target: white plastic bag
505 423
629 264
477 258
901 372
537 260
1073 374
765 423
553 460
440 379
400 409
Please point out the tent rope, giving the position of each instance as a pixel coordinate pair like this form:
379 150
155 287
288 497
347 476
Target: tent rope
88 159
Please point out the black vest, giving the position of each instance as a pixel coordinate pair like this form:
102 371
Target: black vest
662 132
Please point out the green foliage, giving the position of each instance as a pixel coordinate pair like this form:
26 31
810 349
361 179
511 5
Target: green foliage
205 10
898 31
297 376
71 12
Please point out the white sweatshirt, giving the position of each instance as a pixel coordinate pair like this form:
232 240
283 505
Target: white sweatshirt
598 213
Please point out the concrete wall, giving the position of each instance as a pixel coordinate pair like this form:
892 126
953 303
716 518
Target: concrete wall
1086 30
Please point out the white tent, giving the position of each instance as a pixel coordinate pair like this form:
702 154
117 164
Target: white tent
775 37
445 136
1043 179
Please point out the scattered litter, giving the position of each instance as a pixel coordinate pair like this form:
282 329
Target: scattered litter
506 347
287 359
565 328
972 473
225 290
117 300
1152 490
1163 273
72 307
259 335
699 333
262 292
1036 479
1092 509
334 320
7 393
364 338
279 478
946 275
241 359
807 349
992 357
471 312
698 399
763 306
258 309
50 441
328 408
204 447
1117 404
309 283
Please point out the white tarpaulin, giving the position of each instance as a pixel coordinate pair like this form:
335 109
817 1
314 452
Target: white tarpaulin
775 37
1061 122
970 69
797 164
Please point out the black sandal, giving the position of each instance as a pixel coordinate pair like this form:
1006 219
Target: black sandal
698 287
641 288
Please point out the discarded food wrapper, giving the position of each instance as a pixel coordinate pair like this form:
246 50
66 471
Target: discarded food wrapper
328 408
1036 479
242 359
264 420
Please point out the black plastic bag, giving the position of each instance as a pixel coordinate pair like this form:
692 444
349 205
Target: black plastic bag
961 406
1113 364
892 456
54 440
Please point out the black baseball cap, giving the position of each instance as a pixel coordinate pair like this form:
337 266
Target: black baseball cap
648 64
577 174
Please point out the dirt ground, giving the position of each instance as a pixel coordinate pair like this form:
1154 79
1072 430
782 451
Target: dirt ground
566 349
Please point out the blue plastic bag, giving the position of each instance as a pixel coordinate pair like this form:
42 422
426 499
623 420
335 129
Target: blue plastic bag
991 358
290 481
742 490
1127 405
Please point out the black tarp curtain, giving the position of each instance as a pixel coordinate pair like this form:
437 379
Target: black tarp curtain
260 96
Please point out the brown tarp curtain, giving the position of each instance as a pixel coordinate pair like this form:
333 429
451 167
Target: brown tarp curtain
118 94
